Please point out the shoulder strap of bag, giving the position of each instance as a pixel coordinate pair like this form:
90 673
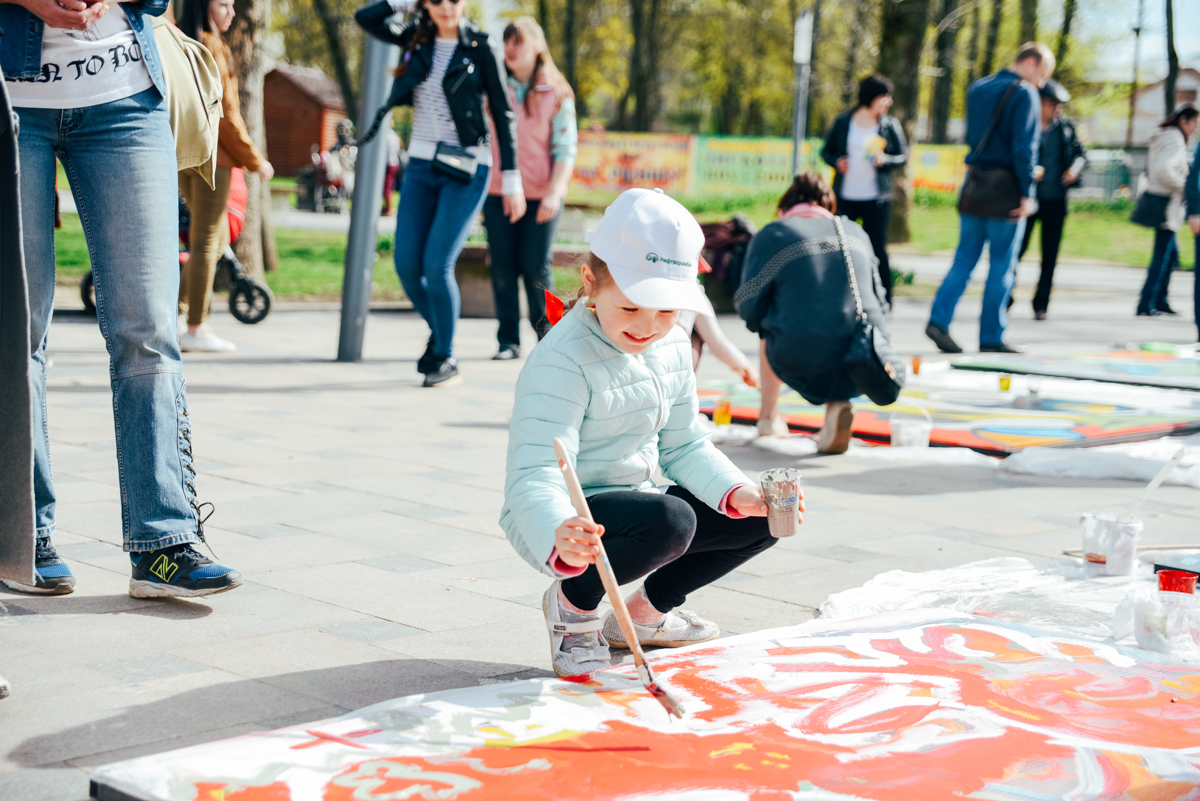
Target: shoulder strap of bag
841 232
1012 90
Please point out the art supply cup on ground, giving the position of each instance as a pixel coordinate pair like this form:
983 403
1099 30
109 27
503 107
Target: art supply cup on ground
781 491
1177 581
723 412
1110 543
911 433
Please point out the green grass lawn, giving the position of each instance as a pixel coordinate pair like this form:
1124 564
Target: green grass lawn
311 263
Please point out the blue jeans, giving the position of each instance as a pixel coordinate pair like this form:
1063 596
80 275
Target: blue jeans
432 222
1158 275
120 160
519 250
1002 237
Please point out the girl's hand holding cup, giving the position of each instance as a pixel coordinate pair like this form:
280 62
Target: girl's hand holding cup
748 500
577 541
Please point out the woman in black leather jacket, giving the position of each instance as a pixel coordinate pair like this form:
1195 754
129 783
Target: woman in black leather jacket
448 69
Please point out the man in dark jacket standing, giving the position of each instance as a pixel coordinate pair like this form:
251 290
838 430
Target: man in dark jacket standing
865 145
1191 196
1061 160
1013 145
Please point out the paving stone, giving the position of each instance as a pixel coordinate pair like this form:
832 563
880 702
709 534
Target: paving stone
149 666
370 631
47 783
266 531
402 563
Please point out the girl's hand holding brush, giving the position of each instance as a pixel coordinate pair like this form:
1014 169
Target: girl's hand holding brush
578 540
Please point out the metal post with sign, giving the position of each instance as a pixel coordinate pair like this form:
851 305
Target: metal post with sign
802 58
378 61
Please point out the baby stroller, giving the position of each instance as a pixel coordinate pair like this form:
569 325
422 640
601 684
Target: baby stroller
249 298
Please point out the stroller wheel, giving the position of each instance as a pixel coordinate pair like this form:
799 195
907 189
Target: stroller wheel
250 301
87 293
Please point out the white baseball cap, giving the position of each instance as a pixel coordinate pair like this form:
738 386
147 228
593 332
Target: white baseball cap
652 245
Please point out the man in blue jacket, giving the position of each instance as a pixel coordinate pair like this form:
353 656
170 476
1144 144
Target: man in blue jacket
1191 194
1012 145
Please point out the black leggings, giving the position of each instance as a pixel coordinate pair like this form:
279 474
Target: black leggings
682 542
875 217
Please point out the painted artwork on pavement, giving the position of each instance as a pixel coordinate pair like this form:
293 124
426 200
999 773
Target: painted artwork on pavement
993 423
1150 364
906 706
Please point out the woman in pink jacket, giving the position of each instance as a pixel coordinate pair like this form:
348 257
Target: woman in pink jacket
546 145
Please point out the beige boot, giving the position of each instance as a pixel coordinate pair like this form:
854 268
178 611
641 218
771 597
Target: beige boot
774 427
839 423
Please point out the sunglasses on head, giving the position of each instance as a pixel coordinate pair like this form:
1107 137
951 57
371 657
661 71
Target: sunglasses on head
439 2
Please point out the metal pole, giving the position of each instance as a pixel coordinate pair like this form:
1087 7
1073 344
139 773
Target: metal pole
802 58
378 60
1133 86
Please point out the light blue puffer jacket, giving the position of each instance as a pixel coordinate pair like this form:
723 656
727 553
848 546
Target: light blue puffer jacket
620 415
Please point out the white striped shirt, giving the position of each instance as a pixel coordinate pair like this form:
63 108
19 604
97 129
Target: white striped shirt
432 122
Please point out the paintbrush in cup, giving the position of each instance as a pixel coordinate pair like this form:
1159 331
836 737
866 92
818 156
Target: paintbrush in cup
609 580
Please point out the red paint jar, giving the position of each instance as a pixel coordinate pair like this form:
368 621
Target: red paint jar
1177 581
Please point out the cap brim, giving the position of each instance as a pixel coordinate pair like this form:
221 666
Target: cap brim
661 293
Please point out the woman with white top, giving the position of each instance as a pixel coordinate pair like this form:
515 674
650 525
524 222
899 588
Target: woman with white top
87 87
865 145
452 74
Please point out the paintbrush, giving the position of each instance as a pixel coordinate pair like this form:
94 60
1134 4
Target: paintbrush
609 580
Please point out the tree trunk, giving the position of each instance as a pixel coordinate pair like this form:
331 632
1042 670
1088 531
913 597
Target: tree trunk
947 40
849 90
993 38
270 250
1064 37
902 36
543 8
337 54
973 50
638 80
1172 59
814 84
571 56
1028 21
246 37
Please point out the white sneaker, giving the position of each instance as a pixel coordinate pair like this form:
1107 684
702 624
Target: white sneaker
775 427
577 646
181 324
204 341
676 630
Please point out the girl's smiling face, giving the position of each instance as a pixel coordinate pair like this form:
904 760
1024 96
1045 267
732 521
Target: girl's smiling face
631 328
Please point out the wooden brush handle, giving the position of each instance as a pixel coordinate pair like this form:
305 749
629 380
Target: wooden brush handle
603 566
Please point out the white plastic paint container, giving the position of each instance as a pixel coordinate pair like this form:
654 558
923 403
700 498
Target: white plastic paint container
911 433
1110 543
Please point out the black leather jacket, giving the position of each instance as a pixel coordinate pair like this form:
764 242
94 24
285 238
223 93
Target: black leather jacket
895 153
476 72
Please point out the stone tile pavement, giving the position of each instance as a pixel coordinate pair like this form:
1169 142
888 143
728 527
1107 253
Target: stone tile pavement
362 511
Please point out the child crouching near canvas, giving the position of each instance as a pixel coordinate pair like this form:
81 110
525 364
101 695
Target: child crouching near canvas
613 379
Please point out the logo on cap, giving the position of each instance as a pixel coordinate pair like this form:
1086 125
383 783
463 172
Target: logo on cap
655 258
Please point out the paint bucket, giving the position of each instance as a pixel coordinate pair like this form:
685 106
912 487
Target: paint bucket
1167 622
723 412
781 491
1110 543
911 433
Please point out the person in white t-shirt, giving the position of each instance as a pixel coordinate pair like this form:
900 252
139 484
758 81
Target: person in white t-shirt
87 87
864 146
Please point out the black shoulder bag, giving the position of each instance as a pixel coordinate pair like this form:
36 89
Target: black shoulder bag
871 360
992 193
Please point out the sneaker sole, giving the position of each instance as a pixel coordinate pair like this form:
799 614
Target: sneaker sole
449 382
153 589
29 589
663 643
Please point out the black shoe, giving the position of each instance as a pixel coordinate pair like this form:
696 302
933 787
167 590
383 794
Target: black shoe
1000 347
51 574
1164 308
1149 313
507 354
446 374
1039 315
428 362
3 688
179 571
941 337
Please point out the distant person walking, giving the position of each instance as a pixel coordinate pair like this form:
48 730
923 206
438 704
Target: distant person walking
1003 128
395 151
1061 161
205 21
452 74
865 145
547 141
1166 174
1192 196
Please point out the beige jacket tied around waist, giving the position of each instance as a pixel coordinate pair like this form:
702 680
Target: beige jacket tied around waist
193 98
1167 171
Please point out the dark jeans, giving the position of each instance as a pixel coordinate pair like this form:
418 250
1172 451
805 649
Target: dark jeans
1052 214
874 216
432 223
681 542
1158 275
519 250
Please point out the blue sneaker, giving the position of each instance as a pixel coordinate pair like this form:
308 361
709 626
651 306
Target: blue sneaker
51 574
181 572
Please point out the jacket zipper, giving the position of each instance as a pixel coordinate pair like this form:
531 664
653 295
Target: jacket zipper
662 402
467 70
